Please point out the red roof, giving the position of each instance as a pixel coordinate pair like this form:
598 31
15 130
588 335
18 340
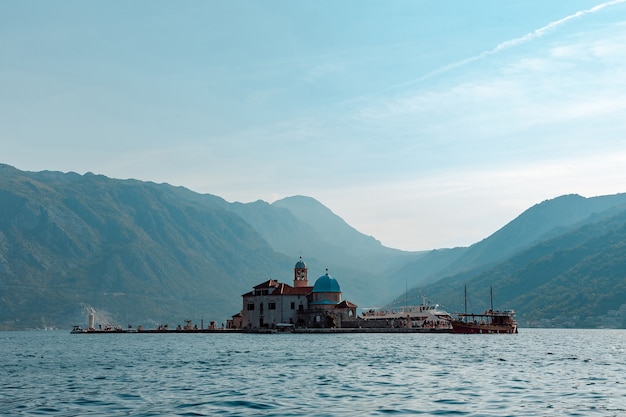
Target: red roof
272 283
346 304
279 288
285 289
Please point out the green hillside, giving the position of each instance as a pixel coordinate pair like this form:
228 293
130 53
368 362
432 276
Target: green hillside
575 279
141 253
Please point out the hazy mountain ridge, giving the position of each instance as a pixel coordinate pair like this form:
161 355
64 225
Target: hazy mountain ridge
148 253
141 250
302 226
540 222
573 278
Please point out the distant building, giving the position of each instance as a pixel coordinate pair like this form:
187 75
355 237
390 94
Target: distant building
273 304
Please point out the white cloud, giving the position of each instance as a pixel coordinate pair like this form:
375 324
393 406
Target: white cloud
559 94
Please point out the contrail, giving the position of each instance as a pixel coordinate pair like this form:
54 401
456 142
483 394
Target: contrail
518 41
537 33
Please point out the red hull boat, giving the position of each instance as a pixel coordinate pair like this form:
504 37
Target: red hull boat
487 323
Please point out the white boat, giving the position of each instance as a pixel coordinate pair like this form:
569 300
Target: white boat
78 329
425 317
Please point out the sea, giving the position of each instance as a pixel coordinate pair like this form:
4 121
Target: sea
538 372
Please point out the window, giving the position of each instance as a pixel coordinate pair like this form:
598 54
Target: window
250 306
293 306
271 305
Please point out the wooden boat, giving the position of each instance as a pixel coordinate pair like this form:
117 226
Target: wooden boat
491 321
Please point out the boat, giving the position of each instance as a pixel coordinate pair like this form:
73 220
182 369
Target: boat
491 321
488 322
78 329
426 317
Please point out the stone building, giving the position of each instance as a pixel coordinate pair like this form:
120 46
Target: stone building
273 304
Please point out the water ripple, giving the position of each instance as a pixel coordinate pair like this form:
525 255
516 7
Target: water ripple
538 372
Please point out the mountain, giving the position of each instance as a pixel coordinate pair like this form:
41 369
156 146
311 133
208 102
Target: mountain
559 263
302 226
540 222
141 253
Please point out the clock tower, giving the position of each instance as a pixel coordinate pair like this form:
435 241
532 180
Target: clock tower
300 274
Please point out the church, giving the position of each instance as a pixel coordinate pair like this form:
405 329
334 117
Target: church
274 305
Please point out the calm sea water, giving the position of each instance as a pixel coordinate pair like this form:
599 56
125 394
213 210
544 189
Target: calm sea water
538 372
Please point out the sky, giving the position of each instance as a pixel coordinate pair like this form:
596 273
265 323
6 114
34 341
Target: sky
424 123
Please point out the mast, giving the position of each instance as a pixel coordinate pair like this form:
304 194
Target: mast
465 300
491 297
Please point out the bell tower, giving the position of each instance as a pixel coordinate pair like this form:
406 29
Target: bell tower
300 274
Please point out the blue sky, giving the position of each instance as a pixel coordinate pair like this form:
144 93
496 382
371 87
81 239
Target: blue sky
425 124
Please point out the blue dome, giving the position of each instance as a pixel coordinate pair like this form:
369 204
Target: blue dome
326 284
300 264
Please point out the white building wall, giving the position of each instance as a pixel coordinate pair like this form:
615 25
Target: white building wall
281 313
